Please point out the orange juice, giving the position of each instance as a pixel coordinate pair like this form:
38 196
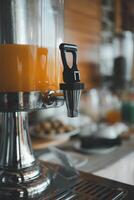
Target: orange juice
27 68
113 116
42 81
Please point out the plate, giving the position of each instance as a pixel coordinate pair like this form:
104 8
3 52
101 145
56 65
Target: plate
75 159
77 123
94 150
57 136
80 121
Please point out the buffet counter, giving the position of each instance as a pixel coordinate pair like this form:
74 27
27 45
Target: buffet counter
116 164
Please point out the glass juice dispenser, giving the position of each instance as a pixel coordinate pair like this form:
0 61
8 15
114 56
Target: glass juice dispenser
30 74
30 33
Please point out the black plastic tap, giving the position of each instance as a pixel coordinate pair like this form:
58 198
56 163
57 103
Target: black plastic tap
72 86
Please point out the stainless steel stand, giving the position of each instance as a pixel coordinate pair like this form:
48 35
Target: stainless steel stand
21 176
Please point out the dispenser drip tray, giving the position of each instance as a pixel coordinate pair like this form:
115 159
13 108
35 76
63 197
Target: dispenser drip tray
70 186
84 187
86 190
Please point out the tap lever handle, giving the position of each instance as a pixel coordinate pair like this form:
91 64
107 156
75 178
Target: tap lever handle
70 75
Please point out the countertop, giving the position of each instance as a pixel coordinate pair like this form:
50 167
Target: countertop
117 164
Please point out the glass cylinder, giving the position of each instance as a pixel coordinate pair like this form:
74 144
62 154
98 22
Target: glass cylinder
30 34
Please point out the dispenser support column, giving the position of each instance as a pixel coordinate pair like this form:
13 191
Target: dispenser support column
21 177
15 145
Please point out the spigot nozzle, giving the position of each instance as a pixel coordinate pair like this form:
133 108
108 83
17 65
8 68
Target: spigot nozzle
72 98
72 93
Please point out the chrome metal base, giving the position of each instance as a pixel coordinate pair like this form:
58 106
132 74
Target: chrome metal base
24 184
21 176
28 101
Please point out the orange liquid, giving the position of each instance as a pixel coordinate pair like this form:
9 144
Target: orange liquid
113 116
27 68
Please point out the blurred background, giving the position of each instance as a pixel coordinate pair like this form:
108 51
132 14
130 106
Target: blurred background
102 136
